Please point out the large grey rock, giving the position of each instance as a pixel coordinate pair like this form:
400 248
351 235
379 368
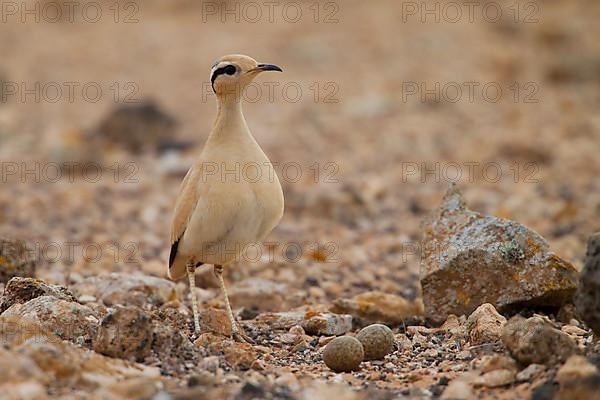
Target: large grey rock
127 289
21 290
15 260
469 259
587 299
65 319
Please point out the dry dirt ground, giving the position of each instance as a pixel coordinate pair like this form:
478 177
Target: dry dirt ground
379 108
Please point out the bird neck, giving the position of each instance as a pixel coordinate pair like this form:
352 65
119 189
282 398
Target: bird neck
230 123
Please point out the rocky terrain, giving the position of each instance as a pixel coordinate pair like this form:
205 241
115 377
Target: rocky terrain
466 227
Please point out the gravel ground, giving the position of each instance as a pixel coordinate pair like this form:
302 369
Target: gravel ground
384 121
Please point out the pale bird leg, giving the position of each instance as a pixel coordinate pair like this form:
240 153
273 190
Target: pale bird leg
191 273
236 332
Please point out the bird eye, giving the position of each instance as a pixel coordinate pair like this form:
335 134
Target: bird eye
229 70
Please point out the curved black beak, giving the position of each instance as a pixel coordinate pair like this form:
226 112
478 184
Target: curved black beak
268 67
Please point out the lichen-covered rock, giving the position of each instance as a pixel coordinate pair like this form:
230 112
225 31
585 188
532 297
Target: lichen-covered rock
587 299
343 354
65 319
20 290
126 332
470 259
127 289
379 307
535 340
485 325
15 260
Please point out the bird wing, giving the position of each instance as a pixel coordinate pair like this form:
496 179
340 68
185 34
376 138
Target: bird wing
187 199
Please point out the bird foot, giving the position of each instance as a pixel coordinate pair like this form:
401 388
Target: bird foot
240 336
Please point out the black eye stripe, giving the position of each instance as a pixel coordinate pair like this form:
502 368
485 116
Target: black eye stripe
228 70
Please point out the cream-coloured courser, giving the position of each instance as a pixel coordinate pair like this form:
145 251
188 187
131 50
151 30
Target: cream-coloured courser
230 197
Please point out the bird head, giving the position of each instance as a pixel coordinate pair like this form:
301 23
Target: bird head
232 73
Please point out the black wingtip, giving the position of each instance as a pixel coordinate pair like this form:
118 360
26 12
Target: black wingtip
173 254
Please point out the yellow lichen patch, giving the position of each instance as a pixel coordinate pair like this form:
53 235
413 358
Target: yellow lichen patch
6 263
462 297
310 314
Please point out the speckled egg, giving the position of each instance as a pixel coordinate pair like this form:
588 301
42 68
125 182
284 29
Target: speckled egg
377 341
343 354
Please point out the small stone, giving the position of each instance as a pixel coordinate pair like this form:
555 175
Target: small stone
259 294
343 354
496 378
201 378
495 362
530 373
313 322
403 342
377 341
288 379
239 355
458 390
454 327
214 320
379 307
126 332
485 325
297 330
574 330
210 363
587 299
535 340
15 260
575 368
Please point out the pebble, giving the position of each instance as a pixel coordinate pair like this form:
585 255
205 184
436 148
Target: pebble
485 325
377 341
535 340
126 332
379 307
576 367
458 390
496 378
531 372
343 354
